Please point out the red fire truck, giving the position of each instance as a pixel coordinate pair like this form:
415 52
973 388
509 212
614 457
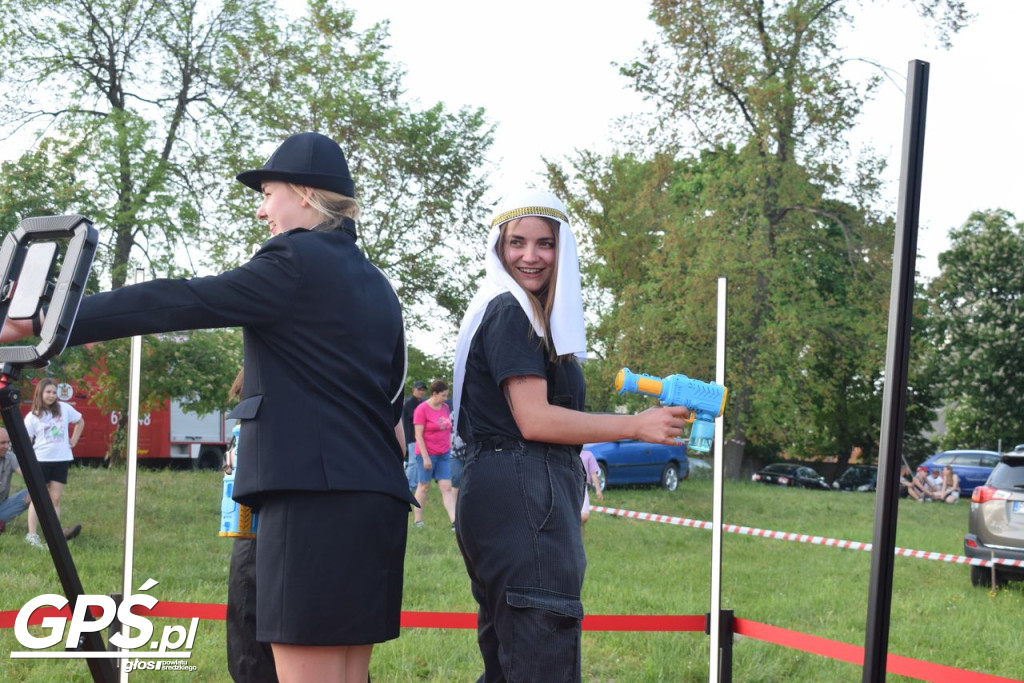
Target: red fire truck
169 434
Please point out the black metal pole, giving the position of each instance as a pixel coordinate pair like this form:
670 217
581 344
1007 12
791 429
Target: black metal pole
10 397
894 403
726 627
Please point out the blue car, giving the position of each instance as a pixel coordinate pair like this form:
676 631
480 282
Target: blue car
973 467
638 462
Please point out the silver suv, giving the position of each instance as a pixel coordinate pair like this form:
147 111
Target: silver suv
996 522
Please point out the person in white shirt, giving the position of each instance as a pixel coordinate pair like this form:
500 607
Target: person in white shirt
48 425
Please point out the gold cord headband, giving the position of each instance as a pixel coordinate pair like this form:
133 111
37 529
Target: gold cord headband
529 211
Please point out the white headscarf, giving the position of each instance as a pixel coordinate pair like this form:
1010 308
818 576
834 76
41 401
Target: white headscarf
568 333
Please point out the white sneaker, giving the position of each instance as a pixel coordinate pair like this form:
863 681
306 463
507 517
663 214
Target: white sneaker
33 540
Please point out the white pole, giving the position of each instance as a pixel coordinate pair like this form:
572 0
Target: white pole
714 620
132 466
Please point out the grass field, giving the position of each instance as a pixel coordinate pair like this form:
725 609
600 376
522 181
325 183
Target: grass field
635 567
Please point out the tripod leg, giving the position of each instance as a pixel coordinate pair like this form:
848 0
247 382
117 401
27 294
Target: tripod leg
102 670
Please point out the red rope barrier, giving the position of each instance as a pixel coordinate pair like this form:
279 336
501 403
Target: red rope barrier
446 620
833 649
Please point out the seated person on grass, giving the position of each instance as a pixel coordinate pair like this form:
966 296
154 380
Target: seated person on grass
920 488
10 506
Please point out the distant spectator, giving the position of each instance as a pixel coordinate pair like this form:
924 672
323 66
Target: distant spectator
920 489
49 425
419 390
591 468
458 461
935 482
10 506
950 492
433 423
905 481
248 659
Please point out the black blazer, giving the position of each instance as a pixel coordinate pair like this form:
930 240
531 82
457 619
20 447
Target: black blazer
324 360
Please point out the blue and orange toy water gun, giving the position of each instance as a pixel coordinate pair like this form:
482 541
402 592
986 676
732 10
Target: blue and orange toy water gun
706 400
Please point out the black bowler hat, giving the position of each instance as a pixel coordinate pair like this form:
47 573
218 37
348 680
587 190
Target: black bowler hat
309 159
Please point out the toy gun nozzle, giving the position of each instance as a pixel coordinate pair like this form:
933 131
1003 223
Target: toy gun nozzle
629 382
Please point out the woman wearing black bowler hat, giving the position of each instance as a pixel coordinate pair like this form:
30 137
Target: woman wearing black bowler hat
320 450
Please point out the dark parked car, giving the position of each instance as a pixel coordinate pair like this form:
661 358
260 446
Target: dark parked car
857 478
996 521
973 467
637 462
786 474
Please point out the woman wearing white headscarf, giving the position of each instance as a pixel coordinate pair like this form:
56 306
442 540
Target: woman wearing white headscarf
519 396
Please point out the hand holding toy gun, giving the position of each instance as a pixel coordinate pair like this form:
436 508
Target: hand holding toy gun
706 400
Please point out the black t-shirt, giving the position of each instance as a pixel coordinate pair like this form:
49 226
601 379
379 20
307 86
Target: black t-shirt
504 346
407 413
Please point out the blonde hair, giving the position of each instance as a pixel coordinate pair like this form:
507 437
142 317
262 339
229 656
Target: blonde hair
541 308
331 205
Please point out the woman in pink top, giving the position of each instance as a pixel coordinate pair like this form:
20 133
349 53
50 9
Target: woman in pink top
432 422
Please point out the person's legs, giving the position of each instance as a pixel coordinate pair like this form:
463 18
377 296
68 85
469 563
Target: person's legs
486 637
33 520
300 663
443 474
410 465
447 498
56 490
13 506
423 477
457 464
421 498
585 510
248 659
519 531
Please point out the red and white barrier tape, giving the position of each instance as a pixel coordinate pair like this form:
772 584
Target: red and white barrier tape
801 538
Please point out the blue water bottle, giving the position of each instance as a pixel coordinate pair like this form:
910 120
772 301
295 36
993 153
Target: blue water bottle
236 520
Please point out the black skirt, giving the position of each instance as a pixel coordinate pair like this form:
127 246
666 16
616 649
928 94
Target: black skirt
329 567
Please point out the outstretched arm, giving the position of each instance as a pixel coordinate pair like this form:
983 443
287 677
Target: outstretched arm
16 330
538 420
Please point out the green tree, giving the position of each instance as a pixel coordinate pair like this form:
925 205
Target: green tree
424 368
806 380
144 111
417 171
748 180
123 93
977 305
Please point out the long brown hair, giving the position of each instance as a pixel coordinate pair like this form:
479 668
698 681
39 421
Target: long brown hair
235 392
38 407
947 476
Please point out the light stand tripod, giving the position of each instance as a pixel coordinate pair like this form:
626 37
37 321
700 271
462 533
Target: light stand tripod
28 258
